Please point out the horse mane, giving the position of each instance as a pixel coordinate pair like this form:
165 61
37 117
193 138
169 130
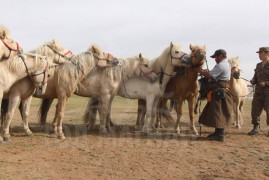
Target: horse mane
16 63
4 32
119 71
95 49
162 59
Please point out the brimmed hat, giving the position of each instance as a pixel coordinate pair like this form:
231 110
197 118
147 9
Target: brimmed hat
263 49
219 52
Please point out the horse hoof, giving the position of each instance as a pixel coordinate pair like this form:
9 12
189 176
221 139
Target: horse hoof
177 131
238 127
61 136
29 133
7 138
1 140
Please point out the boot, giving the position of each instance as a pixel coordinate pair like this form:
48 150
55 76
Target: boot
255 130
217 136
213 134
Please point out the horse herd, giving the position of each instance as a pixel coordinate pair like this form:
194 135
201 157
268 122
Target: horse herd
52 72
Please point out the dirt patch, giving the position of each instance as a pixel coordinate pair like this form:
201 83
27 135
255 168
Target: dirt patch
128 153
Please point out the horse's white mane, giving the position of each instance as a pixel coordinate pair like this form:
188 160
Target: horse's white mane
4 32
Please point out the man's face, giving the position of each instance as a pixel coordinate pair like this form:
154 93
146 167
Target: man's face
218 58
263 55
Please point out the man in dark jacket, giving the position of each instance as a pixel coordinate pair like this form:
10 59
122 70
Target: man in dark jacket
261 96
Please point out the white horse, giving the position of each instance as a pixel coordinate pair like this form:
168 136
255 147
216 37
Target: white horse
238 89
25 88
144 85
148 93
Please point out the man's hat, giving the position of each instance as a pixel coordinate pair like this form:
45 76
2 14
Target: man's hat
219 52
263 49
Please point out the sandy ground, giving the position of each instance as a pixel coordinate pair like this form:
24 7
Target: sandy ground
128 154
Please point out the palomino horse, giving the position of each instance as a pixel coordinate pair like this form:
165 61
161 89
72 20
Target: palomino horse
163 65
238 89
103 83
8 47
64 80
25 88
182 87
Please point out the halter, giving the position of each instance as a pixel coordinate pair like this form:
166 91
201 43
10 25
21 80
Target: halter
61 55
37 74
172 57
142 73
107 59
10 48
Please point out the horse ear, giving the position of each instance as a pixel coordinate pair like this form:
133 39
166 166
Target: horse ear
171 44
140 56
204 47
191 47
3 34
96 49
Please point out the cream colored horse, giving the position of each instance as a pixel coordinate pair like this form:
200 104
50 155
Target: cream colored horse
64 80
238 89
15 69
144 85
8 47
25 88
148 93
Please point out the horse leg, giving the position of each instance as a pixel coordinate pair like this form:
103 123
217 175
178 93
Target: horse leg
60 108
44 109
237 111
241 112
13 102
108 118
154 114
55 120
146 126
179 114
92 108
103 114
140 114
191 112
24 108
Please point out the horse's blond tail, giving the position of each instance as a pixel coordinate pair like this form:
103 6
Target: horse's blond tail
90 112
163 112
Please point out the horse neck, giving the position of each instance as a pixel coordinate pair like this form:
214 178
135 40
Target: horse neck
85 63
159 64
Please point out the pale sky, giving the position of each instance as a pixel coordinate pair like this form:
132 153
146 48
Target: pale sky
125 28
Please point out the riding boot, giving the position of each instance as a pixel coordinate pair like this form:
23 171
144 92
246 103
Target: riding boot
218 135
255 130
212 134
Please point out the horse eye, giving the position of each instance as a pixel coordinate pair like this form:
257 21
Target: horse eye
146 65
176 52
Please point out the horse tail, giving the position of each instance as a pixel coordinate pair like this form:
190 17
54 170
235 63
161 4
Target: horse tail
43 110
91 110
4 109
163 112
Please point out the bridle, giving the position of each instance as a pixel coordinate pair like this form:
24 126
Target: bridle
178 58
143 73
60 54
107 59
37 74
10 48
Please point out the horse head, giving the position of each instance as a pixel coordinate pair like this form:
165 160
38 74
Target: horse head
235 71
143 70
37 71
55 52
104 59
177 56
198 55
9 48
